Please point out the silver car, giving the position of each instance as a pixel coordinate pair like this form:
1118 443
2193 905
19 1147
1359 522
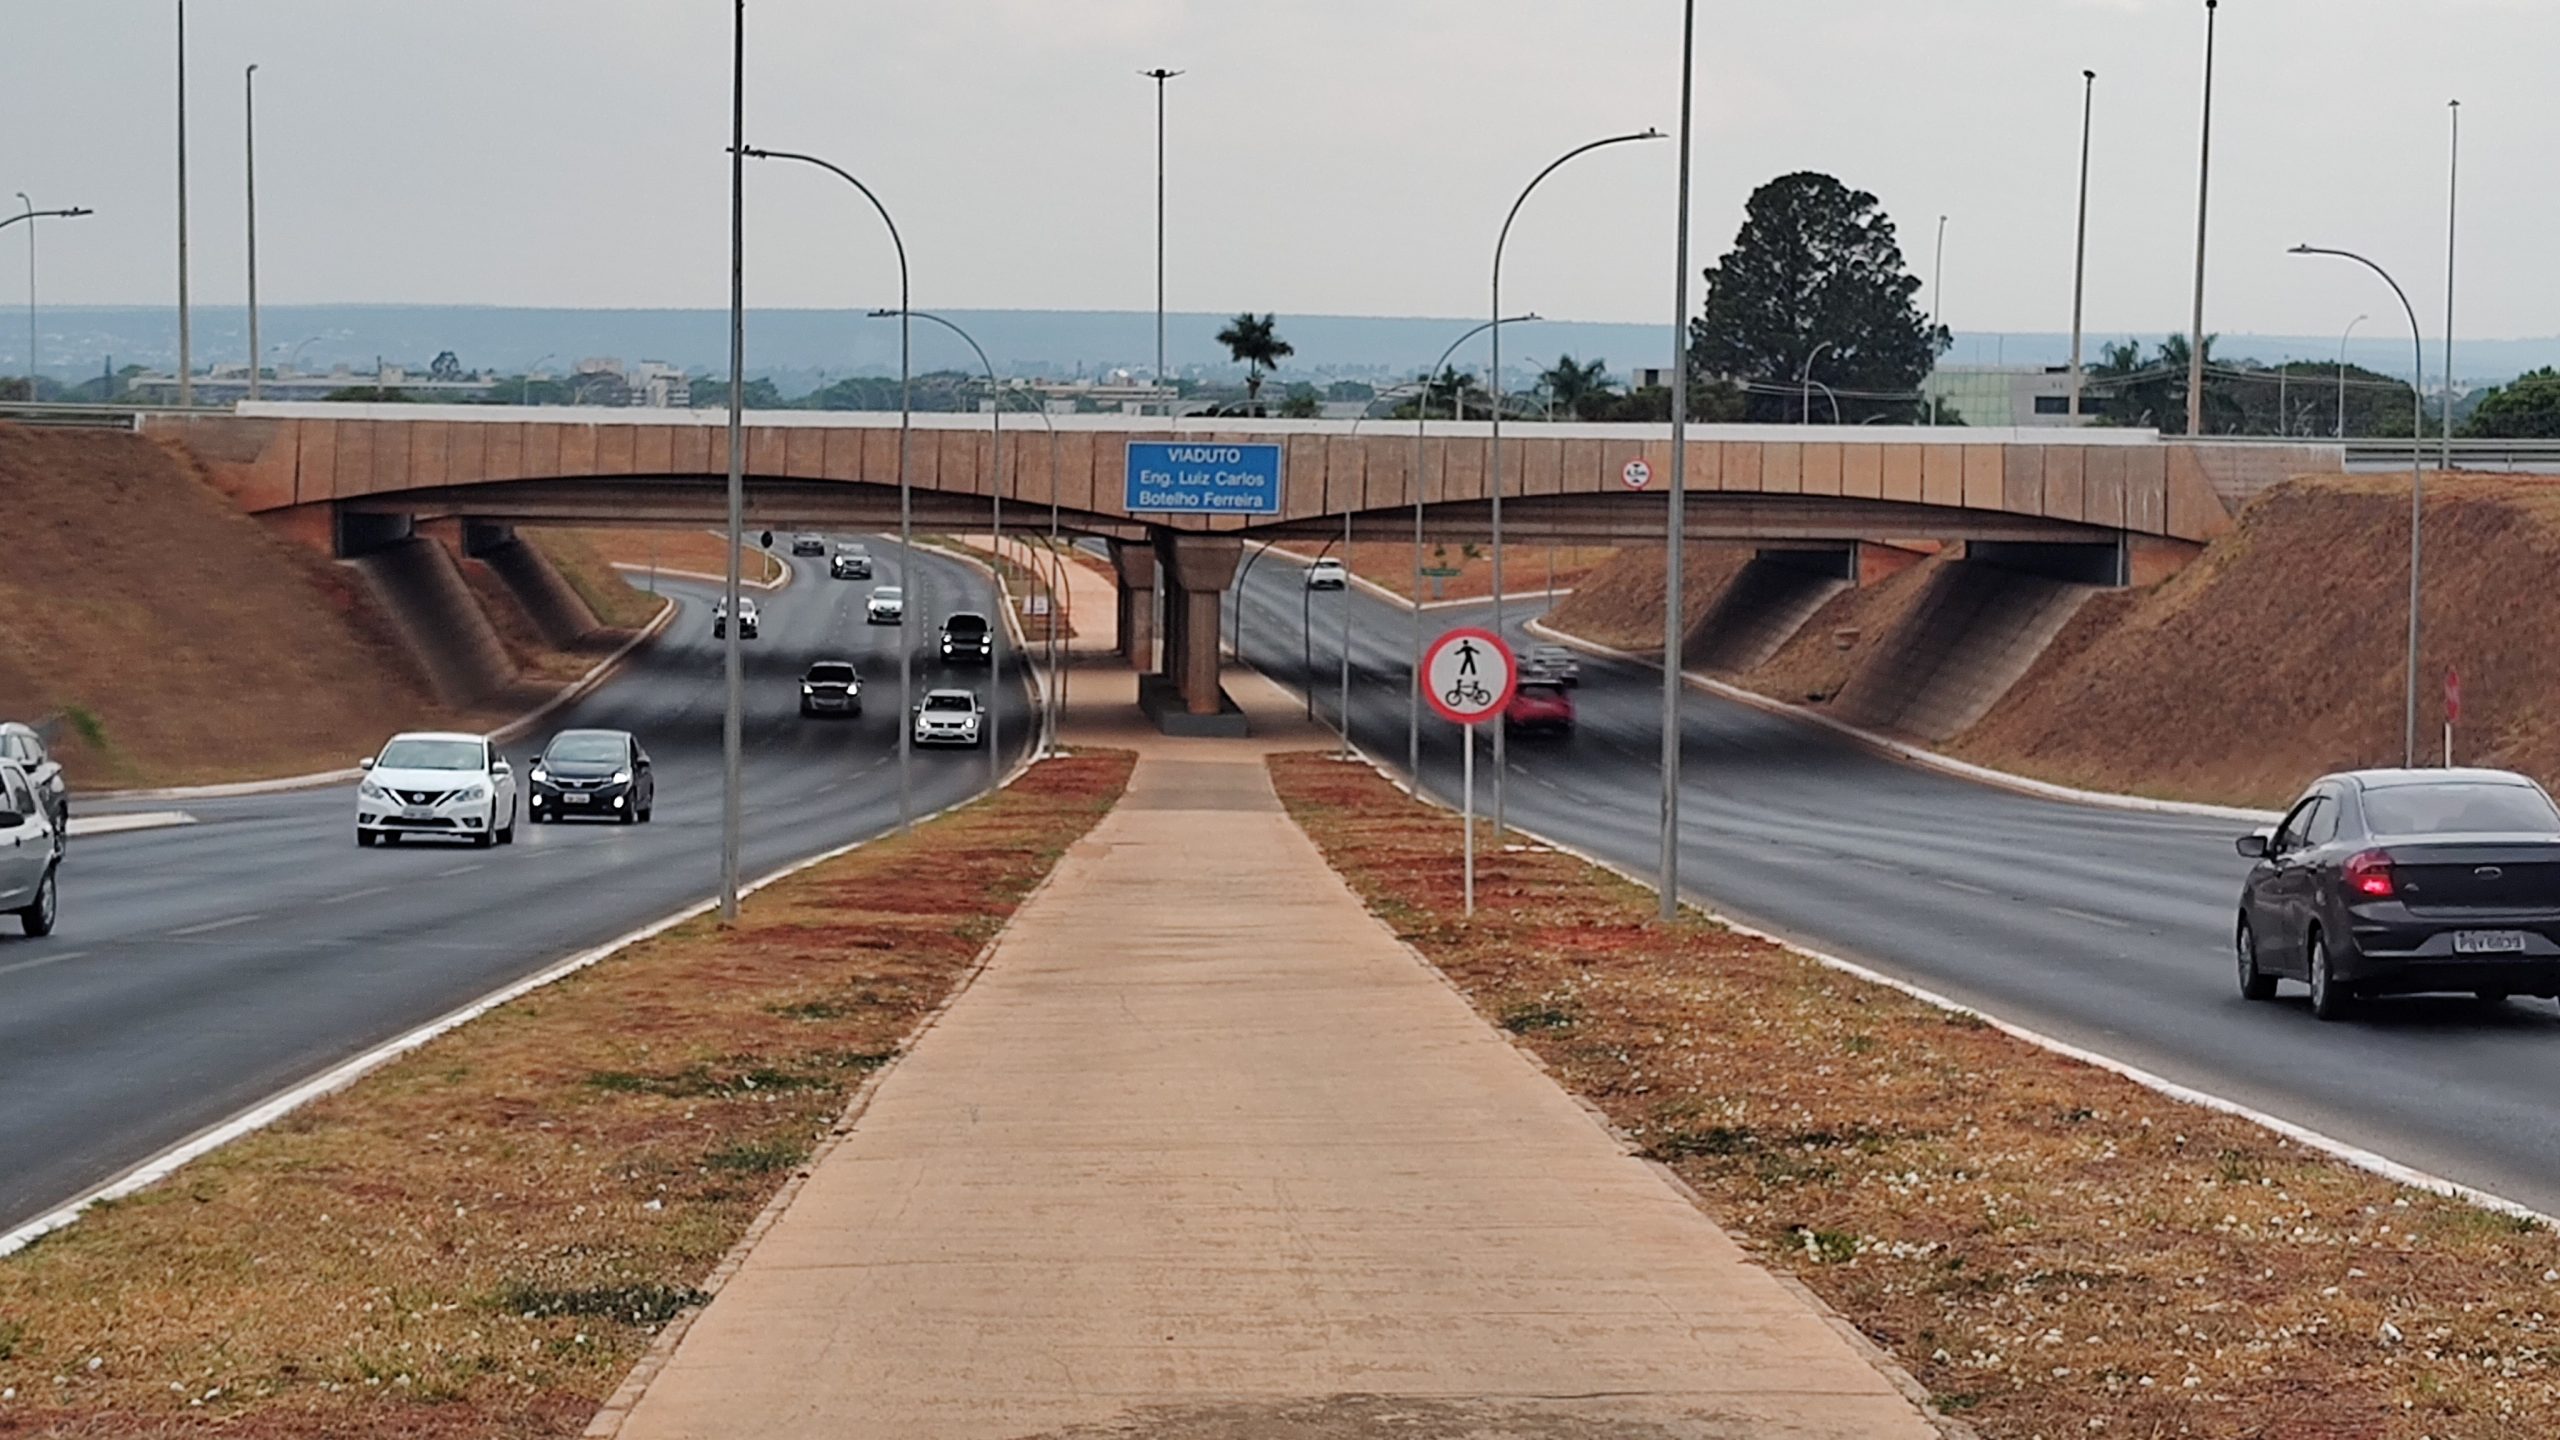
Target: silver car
30 852
21 746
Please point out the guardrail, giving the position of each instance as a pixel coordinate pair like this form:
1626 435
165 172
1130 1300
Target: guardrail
102 417
2364 453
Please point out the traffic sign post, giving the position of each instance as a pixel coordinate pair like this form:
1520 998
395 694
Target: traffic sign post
1468 676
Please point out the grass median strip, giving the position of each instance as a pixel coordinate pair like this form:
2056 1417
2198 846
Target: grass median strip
479 1239
2050 1249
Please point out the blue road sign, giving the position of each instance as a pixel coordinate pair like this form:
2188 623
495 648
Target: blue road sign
1203 478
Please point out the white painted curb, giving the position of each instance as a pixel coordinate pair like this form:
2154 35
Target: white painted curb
2361 1158
1919 756
346 1072
119 824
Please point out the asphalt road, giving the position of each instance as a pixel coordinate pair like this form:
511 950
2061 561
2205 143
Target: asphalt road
2106 928
198 970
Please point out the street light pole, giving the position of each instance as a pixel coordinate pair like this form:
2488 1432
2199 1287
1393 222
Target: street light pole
1804 380
2342 372
249 134
2204 193
186 339
1160 75
30 213
1675 520
906 505
2452 206
524 391
1937 309
733 710
2417 484
2080 251
995 639
1494 446
1421 414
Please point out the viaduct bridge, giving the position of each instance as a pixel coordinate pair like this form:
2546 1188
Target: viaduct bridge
2096 506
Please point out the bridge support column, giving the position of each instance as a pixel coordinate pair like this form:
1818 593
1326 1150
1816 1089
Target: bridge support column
1186 698
1136 564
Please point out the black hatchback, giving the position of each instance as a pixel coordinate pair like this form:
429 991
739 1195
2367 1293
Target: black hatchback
2403 882
968 639
602 774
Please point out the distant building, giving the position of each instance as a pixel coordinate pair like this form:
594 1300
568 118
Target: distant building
2007 396
1117 391
225 384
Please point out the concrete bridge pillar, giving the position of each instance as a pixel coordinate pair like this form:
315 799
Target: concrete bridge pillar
1187 699
1136 564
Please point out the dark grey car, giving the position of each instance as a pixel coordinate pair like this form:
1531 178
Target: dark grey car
2401 882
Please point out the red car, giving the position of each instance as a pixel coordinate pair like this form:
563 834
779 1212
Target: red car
1539 707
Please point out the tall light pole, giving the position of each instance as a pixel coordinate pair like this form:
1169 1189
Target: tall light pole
2204 193
1675 520
2452 206
2080 250
1421 414
995 637
732 718
906 499
524 391
1804 379
2417 482
186 335
1937 310
2342 372
30 213
249 134
1160 75
1494 447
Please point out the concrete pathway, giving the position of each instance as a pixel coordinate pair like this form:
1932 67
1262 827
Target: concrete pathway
1207 1153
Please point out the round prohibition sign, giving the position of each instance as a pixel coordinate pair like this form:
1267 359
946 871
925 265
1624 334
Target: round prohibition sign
1469 675
1637 474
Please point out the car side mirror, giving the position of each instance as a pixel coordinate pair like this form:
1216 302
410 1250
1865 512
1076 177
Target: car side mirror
365 764
2253 844
501 767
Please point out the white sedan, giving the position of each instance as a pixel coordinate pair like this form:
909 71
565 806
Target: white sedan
1328 574
431 782
888 606
950 717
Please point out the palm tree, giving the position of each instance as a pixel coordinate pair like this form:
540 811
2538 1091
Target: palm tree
1257 343
1573 386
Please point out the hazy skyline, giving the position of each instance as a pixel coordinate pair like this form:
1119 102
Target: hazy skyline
1325 156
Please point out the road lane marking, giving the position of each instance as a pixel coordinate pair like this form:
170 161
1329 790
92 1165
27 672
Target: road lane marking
41 960
460 869
1960 885
2070 914
358 894
212 925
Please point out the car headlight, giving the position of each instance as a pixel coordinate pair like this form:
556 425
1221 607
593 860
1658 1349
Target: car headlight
621 777
475 792
808 689
539 774
371 791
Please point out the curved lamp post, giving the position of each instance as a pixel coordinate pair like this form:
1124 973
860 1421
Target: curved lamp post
1494 458
2342 372
1422 413
30 212
995 633
2417 486
1804 383
906 510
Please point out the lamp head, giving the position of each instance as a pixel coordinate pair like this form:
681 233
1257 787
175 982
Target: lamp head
885 313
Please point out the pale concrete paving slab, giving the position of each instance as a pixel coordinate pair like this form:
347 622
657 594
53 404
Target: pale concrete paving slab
1207 1152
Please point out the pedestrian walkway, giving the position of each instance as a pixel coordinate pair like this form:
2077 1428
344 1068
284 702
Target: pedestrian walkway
1206 1153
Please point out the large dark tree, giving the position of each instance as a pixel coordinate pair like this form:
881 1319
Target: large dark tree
2526 408
1816 262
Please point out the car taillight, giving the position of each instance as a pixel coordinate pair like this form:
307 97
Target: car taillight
2368 873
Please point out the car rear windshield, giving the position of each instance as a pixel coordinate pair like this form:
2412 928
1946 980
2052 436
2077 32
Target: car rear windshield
431 755
584 747
2457 807
946 702
831 674
966 624
1541 692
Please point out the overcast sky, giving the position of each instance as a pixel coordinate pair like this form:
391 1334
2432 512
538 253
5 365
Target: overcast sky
1336 156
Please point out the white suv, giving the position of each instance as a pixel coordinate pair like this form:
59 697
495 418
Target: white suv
30 851
950 717
431 782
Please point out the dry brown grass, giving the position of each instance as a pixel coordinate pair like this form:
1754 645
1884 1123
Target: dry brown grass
697 551
1619 603
1525 567
479 1239
2051 1250
618 604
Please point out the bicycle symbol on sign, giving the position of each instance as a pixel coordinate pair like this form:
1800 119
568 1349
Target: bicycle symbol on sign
1469 694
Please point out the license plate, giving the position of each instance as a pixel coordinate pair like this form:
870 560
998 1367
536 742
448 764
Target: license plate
2488 942
417 812
578 799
